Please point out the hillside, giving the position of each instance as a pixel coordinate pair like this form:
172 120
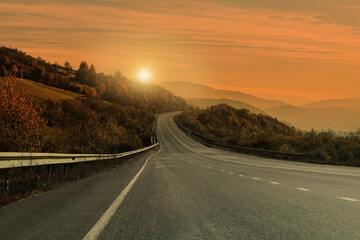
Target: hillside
45 92
234 126
227 125
207 102
335 103
338 115
193 90
113 114
334 118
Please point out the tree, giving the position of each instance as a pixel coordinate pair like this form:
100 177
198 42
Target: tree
14 70
4 60
67 68
38 73
21 71
20 124
91 92
3 71
82 74
92 80
101 88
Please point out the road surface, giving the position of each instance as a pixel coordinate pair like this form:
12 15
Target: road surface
188 191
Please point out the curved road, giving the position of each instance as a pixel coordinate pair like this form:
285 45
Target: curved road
188 191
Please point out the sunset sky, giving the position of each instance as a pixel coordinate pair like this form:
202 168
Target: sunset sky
294 51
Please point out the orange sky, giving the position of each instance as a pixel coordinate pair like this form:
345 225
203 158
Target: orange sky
295 52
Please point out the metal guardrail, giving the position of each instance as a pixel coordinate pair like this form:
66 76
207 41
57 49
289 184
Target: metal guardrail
245 149
212 143
15 159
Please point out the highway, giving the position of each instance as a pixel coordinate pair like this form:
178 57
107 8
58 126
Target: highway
185 190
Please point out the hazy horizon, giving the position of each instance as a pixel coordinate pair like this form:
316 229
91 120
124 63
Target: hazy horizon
248 91
297 52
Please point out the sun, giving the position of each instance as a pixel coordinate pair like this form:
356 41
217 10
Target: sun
144 75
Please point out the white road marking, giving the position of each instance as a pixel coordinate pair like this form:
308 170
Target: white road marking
255 178
222 170
276 183
230 172
105 218
252 164
349 199
257 165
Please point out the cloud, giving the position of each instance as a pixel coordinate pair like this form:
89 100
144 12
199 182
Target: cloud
198 39
203 25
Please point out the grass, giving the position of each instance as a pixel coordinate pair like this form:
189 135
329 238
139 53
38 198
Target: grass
42 91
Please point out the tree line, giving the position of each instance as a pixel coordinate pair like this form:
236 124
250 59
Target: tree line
113 114
240 127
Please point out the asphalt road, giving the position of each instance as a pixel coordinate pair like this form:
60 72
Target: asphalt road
188 191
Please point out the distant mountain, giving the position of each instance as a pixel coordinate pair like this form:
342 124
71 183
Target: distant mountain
338 103
337 119
335 114
194 90
207 102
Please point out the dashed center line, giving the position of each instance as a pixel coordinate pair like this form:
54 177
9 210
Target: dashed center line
349 199
276 183
159 165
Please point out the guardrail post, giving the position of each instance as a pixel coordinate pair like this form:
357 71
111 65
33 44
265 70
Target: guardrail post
49 171
65 170
7 180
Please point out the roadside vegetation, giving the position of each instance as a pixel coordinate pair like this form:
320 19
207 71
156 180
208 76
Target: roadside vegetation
230 126
83 112
51 108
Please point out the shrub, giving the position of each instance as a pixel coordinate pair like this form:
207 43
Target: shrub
21 125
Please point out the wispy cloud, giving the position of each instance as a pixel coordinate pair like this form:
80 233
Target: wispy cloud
192 35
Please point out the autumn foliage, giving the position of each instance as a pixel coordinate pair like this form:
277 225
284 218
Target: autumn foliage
113 113
240 127
21 125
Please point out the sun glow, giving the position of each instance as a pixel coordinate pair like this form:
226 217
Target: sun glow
144 75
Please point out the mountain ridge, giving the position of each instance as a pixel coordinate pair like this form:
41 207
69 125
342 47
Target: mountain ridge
334 118
353 102
195 90
207 102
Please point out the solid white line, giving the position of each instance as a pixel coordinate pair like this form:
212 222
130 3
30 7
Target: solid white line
274 183
349 199
240 175
230 172
302 189
104 220
255 178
